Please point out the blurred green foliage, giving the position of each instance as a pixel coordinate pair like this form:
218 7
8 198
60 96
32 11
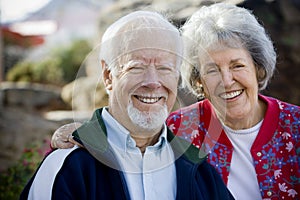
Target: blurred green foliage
72 57
46 71
59 68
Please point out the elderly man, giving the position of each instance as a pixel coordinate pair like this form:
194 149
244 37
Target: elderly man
129 152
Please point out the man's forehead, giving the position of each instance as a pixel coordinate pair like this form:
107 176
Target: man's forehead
149 51
151 38
146 54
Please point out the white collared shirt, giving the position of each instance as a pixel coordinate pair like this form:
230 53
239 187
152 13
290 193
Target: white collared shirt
150 176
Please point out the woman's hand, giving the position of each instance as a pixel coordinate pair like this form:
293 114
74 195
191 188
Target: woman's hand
62 137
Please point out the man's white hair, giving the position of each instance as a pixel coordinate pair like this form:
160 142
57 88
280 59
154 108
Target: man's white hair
118 37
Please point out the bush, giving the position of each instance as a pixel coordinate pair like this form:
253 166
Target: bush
14 179
72 57
46 71
61 67
20 72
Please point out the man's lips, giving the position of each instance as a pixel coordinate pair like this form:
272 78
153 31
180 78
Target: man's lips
148 99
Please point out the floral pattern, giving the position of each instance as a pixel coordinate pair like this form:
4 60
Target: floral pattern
275 152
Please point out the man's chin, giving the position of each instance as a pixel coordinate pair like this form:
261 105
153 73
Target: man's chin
150 120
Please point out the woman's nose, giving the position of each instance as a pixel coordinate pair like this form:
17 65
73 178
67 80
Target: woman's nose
227 78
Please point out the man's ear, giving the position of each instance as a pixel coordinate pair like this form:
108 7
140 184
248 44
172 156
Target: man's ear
106 75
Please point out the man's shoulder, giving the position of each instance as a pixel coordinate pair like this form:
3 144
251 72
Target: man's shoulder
194 163
41 183
73 154
56 158
202 177
59 158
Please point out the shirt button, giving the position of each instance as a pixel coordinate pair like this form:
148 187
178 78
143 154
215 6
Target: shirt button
258 154
269 193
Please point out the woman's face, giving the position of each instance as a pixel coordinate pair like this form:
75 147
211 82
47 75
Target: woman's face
229 79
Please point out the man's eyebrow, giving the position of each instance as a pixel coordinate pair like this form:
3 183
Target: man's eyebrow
132 62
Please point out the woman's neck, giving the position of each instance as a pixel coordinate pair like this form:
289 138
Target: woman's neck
250 120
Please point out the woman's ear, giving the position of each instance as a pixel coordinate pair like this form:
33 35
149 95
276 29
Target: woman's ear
106 75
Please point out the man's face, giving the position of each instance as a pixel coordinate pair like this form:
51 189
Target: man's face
144 90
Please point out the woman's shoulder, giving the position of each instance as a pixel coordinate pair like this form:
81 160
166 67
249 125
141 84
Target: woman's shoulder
284 107
195 107
288 107
188 117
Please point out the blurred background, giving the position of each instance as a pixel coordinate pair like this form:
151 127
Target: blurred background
46 45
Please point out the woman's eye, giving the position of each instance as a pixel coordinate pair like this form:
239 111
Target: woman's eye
238 66
212 70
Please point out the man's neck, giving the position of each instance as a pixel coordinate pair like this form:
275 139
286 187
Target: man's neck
143 142
144 138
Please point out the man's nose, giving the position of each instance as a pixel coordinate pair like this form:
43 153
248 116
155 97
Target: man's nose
152 78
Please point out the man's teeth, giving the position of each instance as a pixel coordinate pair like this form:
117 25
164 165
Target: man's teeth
149 99
231 95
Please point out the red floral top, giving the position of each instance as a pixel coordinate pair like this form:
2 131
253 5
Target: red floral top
275 151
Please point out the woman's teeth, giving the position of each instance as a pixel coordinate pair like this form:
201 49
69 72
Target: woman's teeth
231 95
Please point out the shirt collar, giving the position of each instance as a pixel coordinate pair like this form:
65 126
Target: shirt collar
118 136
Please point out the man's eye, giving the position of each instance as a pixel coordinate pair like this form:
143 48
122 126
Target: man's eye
136 69
165 69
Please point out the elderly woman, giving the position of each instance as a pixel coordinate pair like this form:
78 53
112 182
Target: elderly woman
251 139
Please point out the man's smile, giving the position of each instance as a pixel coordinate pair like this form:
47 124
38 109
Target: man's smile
148 99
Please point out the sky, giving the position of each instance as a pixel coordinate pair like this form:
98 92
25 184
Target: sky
17 9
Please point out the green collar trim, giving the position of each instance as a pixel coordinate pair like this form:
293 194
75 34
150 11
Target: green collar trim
93 135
